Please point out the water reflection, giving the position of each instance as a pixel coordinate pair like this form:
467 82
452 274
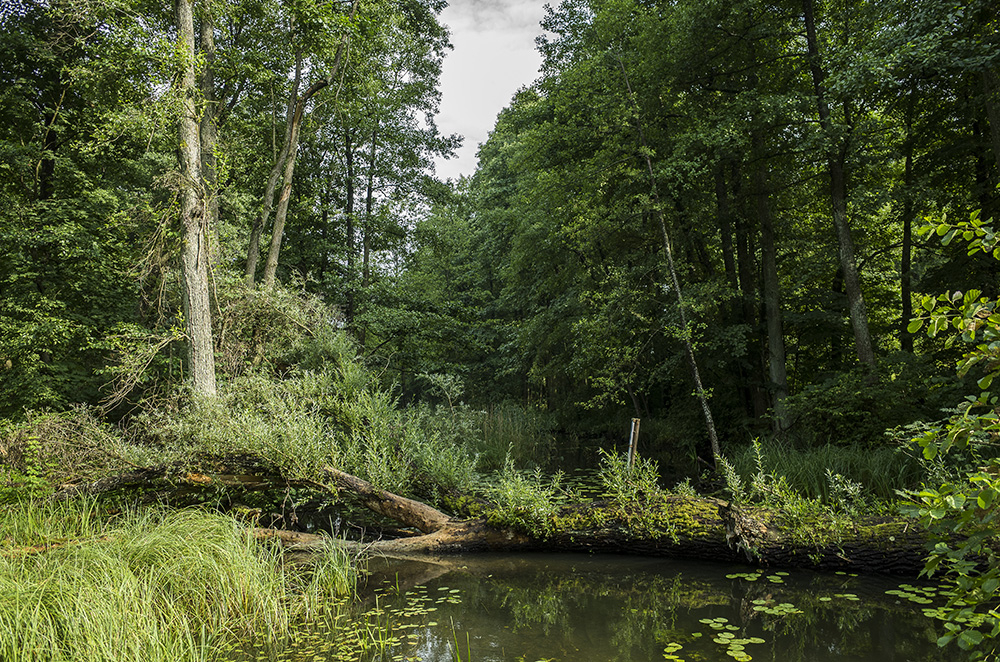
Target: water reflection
575 608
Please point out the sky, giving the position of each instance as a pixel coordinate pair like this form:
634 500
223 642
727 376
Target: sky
494 55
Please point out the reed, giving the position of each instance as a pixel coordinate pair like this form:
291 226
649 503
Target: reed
880 471
153 586
516 432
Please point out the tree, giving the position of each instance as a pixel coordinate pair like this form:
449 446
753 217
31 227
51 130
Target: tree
836 156
195 251
962 512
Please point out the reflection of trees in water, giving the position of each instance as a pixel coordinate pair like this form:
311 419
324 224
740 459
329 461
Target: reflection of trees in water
871 627
631 614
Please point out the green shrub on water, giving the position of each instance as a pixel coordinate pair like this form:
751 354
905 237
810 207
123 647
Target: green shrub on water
157 586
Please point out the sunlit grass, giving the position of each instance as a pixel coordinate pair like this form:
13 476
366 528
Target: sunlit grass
153 586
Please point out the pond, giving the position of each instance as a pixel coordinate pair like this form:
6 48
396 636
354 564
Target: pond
577 608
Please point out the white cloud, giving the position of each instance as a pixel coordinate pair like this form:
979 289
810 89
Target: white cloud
494 56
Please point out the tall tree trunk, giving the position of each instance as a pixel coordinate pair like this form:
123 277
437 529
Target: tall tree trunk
367 226
260 222
746 271
905 275
771 290
209 135
349 204
725 218
195 254
271 265
836 161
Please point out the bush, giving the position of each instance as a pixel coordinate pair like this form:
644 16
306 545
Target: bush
849 409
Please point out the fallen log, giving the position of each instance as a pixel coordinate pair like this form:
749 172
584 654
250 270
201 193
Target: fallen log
405 511
685 527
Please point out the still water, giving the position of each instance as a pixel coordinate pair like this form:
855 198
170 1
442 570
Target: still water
575 608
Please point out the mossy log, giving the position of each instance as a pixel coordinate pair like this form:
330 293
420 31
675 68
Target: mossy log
683 527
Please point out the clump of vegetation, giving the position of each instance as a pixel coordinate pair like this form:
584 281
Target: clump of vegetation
962 511
812 520
638 483
524 500
152 586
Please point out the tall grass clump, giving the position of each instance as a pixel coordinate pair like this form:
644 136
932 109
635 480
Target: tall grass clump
155 587
880 471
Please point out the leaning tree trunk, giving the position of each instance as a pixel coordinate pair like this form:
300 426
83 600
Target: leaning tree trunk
271 265
195 252
671 267
253 250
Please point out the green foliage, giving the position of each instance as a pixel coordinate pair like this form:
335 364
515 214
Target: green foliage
962 511
524 500
46 449
626 484
855 408
882 471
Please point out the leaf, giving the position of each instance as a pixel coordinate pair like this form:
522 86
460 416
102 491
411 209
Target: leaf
970 638
914 325
985 382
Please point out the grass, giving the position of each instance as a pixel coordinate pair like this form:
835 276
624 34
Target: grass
880 471
154 586
516 432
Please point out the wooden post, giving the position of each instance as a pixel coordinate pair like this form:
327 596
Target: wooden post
633 440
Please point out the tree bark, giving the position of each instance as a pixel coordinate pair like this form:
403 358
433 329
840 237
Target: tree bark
195 252
406 511
253 250
771 291
209 135
836 154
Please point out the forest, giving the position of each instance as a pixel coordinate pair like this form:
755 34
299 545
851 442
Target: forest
234 296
